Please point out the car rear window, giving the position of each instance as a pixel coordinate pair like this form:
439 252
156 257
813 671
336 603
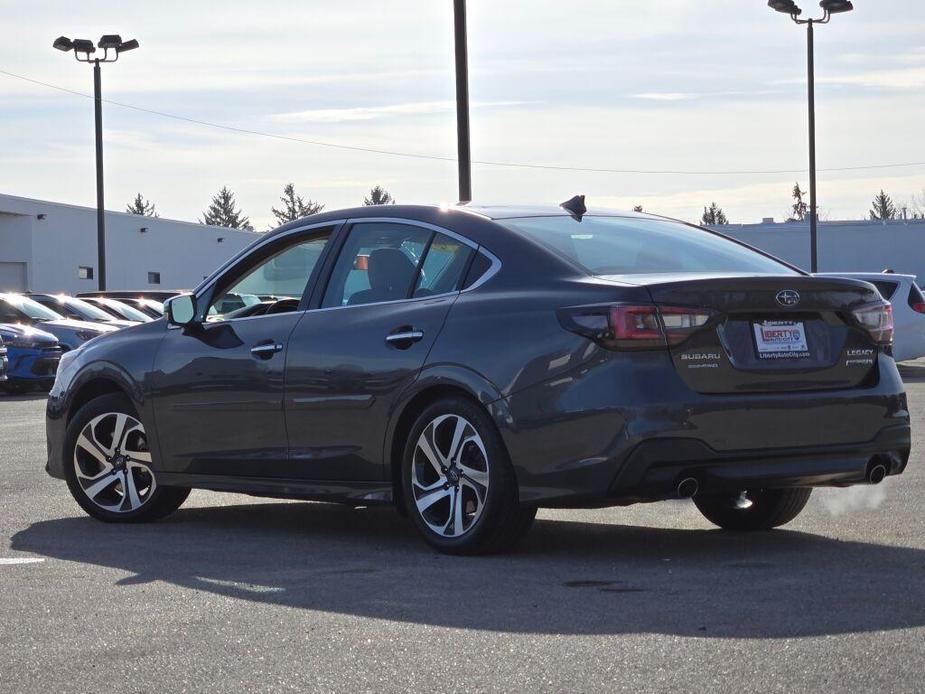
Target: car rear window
915 298
631 246
886 289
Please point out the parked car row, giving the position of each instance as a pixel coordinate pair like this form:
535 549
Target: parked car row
36 328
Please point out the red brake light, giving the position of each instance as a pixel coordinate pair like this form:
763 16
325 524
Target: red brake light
918 307
634 327
878 321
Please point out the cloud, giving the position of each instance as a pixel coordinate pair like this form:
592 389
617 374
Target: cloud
665 96
365 113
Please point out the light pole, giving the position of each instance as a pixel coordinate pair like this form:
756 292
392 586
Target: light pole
462 103
829 7
82 49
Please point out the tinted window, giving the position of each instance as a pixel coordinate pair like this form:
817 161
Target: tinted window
443 267
886 289
624 246
379 262
282 275
915 296
480 265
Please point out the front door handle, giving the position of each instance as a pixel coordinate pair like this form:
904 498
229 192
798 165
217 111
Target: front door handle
403 338
266 349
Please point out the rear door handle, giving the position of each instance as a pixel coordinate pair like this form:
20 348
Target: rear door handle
404 338
266 350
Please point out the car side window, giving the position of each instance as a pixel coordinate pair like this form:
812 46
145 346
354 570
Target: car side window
444 266
886 289
274 283
378 262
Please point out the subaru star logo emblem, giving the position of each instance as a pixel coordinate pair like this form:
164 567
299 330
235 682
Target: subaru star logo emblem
788 297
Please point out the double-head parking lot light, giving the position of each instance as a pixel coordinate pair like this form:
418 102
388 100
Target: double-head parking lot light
829 7
112 46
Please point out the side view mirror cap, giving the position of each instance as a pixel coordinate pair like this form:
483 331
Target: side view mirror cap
181 310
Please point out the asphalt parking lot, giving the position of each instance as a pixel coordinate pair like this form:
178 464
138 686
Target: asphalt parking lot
240 594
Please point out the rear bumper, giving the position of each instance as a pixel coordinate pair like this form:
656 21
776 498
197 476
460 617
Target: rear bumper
582 443
654 469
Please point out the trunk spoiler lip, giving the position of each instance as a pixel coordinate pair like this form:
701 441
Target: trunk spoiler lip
805 282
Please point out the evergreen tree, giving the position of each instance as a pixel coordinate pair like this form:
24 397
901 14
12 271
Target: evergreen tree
799 209
883 207
142 207
221 212
379 196
294 207
713 215
638 208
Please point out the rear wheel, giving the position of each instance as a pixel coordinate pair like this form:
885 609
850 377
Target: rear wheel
108 464
753 509
458 483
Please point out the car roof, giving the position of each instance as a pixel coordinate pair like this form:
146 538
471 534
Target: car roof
456 212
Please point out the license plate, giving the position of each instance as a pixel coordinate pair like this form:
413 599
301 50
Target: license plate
780 340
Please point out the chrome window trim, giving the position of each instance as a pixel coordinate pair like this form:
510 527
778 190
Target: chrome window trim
486 276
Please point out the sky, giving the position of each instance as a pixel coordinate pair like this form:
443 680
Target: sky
704 86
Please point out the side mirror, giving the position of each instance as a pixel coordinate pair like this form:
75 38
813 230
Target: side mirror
181 310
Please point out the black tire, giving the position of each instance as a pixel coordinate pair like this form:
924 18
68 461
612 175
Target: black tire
769 508
502 521
158 503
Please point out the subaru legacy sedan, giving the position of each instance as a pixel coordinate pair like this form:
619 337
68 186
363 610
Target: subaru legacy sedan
471 364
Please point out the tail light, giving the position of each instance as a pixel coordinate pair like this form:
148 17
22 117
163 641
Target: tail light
918 307
634 327
878 321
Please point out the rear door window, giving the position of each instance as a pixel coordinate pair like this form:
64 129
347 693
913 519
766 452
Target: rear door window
378 262
444 266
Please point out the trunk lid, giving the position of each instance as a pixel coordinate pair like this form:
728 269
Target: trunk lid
771 334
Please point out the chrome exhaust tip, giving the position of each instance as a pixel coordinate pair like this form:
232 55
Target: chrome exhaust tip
688 487
876 473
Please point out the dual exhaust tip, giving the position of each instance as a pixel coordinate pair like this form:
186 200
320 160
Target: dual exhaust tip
689 486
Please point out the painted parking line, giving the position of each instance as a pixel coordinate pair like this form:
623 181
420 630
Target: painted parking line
10 561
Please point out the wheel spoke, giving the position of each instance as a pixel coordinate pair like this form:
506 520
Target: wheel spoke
94 449
456 445
429 487
104 483
471 474
479 492
131 491
119 432
430 451
457 512
428 500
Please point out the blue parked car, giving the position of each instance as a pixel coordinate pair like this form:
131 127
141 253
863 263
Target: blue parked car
16 308
4 362
33 357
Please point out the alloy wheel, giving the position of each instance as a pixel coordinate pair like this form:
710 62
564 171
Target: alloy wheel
112 463
450 475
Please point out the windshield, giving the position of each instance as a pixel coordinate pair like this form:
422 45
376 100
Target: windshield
124 310
88 311
33 309
635 246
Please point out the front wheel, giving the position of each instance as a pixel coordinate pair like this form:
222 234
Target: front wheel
108 464
753 509
458 483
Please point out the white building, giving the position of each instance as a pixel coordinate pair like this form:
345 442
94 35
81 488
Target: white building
51 247
861 246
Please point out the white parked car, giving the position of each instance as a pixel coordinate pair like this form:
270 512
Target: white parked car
908 309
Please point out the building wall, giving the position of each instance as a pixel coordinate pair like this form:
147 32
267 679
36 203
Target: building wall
842 246
56 246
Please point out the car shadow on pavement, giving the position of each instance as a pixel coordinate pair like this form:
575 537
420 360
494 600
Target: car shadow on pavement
568 577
